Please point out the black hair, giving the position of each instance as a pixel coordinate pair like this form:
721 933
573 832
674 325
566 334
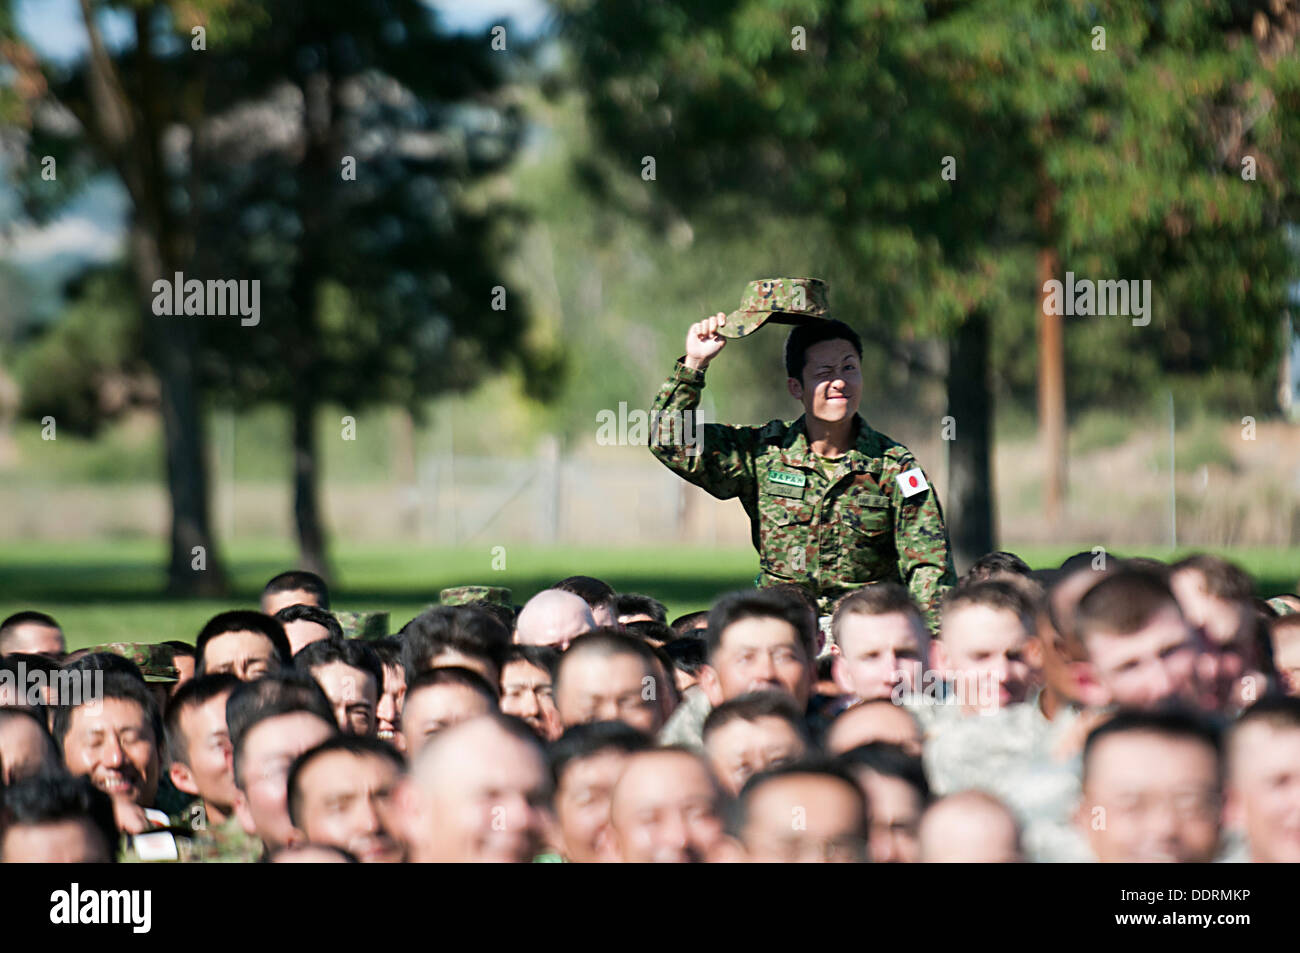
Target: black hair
24 618
591 590
243 620
389 650
650 631
1124 602
465 629
118 686
299 579
454 675
1167 722
281 693
545 657
322 617
763 604
195 692
755 705
688 653
180 649
106 662
358 745
605 642
891 761
688 623
22 665
999 561
586 741
633 603
53 760
350 652
804 336
737 812
51 798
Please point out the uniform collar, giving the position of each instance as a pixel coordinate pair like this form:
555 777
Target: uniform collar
797 452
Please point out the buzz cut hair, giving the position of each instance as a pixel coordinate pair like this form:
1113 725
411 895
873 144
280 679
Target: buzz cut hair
879 598
1124 602
1172 723
755 705
11 624
299 580
1000 594
603 643
322 617
1276 711
804 336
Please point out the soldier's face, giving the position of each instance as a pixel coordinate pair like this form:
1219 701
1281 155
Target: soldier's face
1148 798
1264 791
664 810
876 653
346 800
1286 656
33 638
75 841
268 751
389 712
207 743
352 693
806 818
618 687
1226 630
758 654
582 803
1144 668
114 745
246 655
831 388
438 707
741 749
874 721
895 809
983 649
302 633
527 692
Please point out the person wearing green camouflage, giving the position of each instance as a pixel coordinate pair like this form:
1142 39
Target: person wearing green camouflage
833 504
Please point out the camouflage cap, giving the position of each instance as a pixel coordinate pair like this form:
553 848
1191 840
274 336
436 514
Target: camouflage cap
1279 605
157 663
460 595
782 300
366 626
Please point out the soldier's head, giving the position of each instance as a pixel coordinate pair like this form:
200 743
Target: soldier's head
457 636
50 819
896 790
664 809
198 742
1056 648
823 366
881 642
1151 788
528 688
388 716
304 625
26 746
341 793
970 827
803 812
983 637
608 676
271 722
440 698
479 791
867 722
634 607
351 675
1141 649
245 644
295 588
553 617
1284 635
114 738
586 763
759 640
599 595
1217 601
184 659
1263 790
996 565
31 633
751 734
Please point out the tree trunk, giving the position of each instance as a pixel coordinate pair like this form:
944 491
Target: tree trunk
306 491
970 477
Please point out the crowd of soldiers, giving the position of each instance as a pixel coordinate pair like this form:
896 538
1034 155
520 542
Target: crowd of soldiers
1111 709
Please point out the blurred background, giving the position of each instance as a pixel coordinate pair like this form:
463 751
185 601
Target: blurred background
482 227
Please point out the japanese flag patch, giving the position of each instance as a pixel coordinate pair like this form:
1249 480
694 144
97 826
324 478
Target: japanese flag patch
912 482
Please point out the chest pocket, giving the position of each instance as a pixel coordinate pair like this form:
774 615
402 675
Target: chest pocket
865 514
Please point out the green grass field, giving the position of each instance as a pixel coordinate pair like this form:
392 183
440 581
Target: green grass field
110 590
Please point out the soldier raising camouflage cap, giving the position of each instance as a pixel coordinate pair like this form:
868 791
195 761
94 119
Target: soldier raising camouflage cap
157 663
781 300
460 595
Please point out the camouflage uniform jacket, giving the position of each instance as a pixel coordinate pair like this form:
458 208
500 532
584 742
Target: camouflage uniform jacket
830 525
227 843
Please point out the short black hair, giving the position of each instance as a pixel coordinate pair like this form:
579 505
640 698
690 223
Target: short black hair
465 629
27 617
51 798
52 756
891 761
586 741
593 591
299 579
762 604
737 812
243 620
688 653
180 649
1125 601
119 686
999 561
197 691
650 631
1173 722
358 745
105 662
389 650
349 652
752 706
606 642
685 624
280 693
322 617
634 603
454 675
545 657
804 336
21 665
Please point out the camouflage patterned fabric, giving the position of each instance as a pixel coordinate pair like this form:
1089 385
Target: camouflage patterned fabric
156 662
830 525
227 843
779 300
1281 606
461 595
366 626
